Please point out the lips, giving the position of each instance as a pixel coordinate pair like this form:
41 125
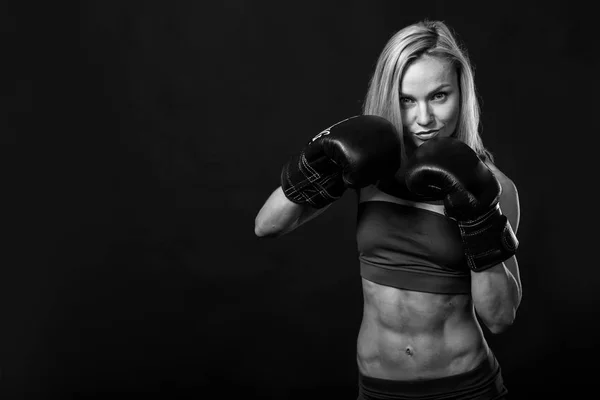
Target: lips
427 135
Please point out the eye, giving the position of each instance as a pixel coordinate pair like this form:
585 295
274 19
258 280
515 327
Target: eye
406 101
440 96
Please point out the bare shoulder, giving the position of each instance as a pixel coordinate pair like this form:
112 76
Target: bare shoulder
508 185
509 199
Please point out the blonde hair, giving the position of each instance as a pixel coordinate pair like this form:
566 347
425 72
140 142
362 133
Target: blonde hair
432 38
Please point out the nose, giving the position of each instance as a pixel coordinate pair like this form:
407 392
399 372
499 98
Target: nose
425 116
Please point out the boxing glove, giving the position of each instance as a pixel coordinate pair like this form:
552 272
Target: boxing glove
353 153
447 169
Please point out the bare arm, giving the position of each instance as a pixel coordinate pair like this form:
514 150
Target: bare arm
351 153
497 291
279 215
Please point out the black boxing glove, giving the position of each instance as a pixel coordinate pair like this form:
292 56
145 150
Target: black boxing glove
353 153
446 168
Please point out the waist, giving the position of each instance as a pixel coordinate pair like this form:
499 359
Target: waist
392 356
483 381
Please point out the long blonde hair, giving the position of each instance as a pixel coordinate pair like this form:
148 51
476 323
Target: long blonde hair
436 39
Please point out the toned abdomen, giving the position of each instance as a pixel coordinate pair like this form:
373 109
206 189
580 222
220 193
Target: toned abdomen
408 335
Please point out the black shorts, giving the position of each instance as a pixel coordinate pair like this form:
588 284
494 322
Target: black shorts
484 382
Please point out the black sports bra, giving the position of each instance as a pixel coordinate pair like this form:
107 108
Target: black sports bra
409 245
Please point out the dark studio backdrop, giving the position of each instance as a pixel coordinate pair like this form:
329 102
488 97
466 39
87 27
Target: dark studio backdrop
141 139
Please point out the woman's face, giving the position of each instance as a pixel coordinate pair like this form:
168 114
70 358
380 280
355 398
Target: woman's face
429 99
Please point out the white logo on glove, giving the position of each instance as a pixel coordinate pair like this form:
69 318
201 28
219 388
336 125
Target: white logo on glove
325 132
328 130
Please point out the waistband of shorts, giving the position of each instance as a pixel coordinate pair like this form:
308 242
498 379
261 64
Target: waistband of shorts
484 378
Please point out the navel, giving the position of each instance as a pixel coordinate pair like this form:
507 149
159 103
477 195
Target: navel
409 351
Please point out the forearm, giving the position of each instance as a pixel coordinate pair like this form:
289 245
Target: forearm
279 215
496 295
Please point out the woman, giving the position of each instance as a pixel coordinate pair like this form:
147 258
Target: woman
427 270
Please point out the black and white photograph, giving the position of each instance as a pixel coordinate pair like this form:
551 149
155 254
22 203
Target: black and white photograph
345 200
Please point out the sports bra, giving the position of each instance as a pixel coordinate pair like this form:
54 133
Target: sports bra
409 245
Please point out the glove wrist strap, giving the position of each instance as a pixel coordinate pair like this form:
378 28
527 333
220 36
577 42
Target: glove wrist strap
488 240
317 183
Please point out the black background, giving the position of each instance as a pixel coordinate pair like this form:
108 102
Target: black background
142 138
